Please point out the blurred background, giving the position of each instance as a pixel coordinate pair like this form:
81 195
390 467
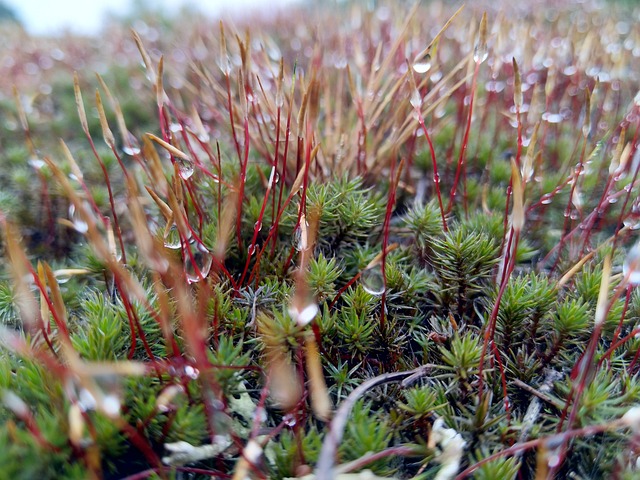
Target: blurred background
87 16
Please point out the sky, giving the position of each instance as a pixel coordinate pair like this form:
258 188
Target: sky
85 16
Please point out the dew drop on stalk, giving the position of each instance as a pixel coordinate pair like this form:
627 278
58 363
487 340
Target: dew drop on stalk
279 98
131 146
111 405
185 168
273 178
631 265
191 372
372 280
632 220
422 65
62 276
78 223
305 315
225 64
131 151
197 262
546 199
480 53
36 163
552 117
289 420
163 402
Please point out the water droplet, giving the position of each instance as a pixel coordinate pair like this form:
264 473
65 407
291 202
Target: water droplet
631 265
300 240
279 98
257 226
633 223
172 238
185 168
62 278
340 63
416 99
290 420
480 53
422 65
225 64
86 400
78 223
372 280
251 250
553 459
36 163
197 261
132 146
305 315
175 127
191 372
111 405
131 150
632 220
163 401
552 117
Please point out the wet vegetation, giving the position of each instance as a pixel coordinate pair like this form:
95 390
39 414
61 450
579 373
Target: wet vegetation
351 240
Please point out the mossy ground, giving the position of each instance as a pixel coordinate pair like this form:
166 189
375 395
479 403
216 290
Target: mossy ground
333 240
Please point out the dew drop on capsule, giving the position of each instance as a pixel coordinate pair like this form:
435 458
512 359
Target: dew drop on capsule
480 53
631 265
197 262
300 237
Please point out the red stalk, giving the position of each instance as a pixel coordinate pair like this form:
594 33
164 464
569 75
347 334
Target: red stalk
436 176
465 141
